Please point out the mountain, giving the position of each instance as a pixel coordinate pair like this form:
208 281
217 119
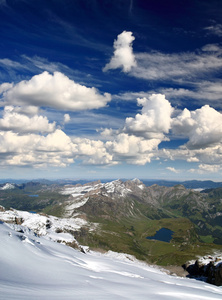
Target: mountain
190 184
120 215
34 267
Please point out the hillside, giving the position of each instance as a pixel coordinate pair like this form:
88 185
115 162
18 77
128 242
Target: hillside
119 215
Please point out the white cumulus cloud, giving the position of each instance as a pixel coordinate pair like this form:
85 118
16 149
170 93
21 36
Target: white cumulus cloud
21 123
203 126
123 56
5 86
55 91
154 120
133 149
66 118
93 152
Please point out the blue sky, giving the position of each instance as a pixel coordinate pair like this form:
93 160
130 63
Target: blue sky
111 89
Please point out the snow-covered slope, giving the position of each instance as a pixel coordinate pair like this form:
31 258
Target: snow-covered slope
36 268
56 229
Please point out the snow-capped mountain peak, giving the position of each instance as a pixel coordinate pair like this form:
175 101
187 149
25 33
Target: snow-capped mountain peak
82 191
7 186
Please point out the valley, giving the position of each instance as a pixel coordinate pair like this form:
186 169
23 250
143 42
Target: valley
120 215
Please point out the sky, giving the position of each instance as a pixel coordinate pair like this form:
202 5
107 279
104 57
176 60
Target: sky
111 89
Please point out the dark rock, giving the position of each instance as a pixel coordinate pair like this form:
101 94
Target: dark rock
48 224
210 271
18 221
2 208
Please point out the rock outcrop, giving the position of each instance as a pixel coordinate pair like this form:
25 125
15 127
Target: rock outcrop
207 268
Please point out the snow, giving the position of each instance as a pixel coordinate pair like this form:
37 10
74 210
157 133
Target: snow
34 267
199 189
46 225
80 193
116 186
215 259
7 186
77 191
141 186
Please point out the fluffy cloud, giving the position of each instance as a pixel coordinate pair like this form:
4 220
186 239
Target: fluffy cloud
56 91
54 149
203 127
123 56
211 48
27 139
154 120
132 149
172 170
204 168
57 141
24 110
5 86
66 118
14 121
93 152
36 150
209 168
137 142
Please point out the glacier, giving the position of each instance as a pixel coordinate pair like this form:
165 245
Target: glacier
35 267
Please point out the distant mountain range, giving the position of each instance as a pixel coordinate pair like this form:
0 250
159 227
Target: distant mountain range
190 184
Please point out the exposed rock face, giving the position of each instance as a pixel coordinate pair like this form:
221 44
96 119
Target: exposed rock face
18 221
215 274
2 208
209 268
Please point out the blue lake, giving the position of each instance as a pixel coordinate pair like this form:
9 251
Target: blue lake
164 235
33 195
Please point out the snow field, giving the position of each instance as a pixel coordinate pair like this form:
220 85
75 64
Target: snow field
36 268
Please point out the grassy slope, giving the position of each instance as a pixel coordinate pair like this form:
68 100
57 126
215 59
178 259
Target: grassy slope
129 236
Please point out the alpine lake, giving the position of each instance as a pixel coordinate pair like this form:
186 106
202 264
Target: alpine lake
164 235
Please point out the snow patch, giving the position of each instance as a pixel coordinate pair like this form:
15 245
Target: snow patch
141 186
7 186
117 187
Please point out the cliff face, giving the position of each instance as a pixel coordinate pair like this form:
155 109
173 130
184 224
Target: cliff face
208 267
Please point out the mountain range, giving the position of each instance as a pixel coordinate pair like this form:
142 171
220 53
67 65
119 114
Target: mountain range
192 184
120 215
